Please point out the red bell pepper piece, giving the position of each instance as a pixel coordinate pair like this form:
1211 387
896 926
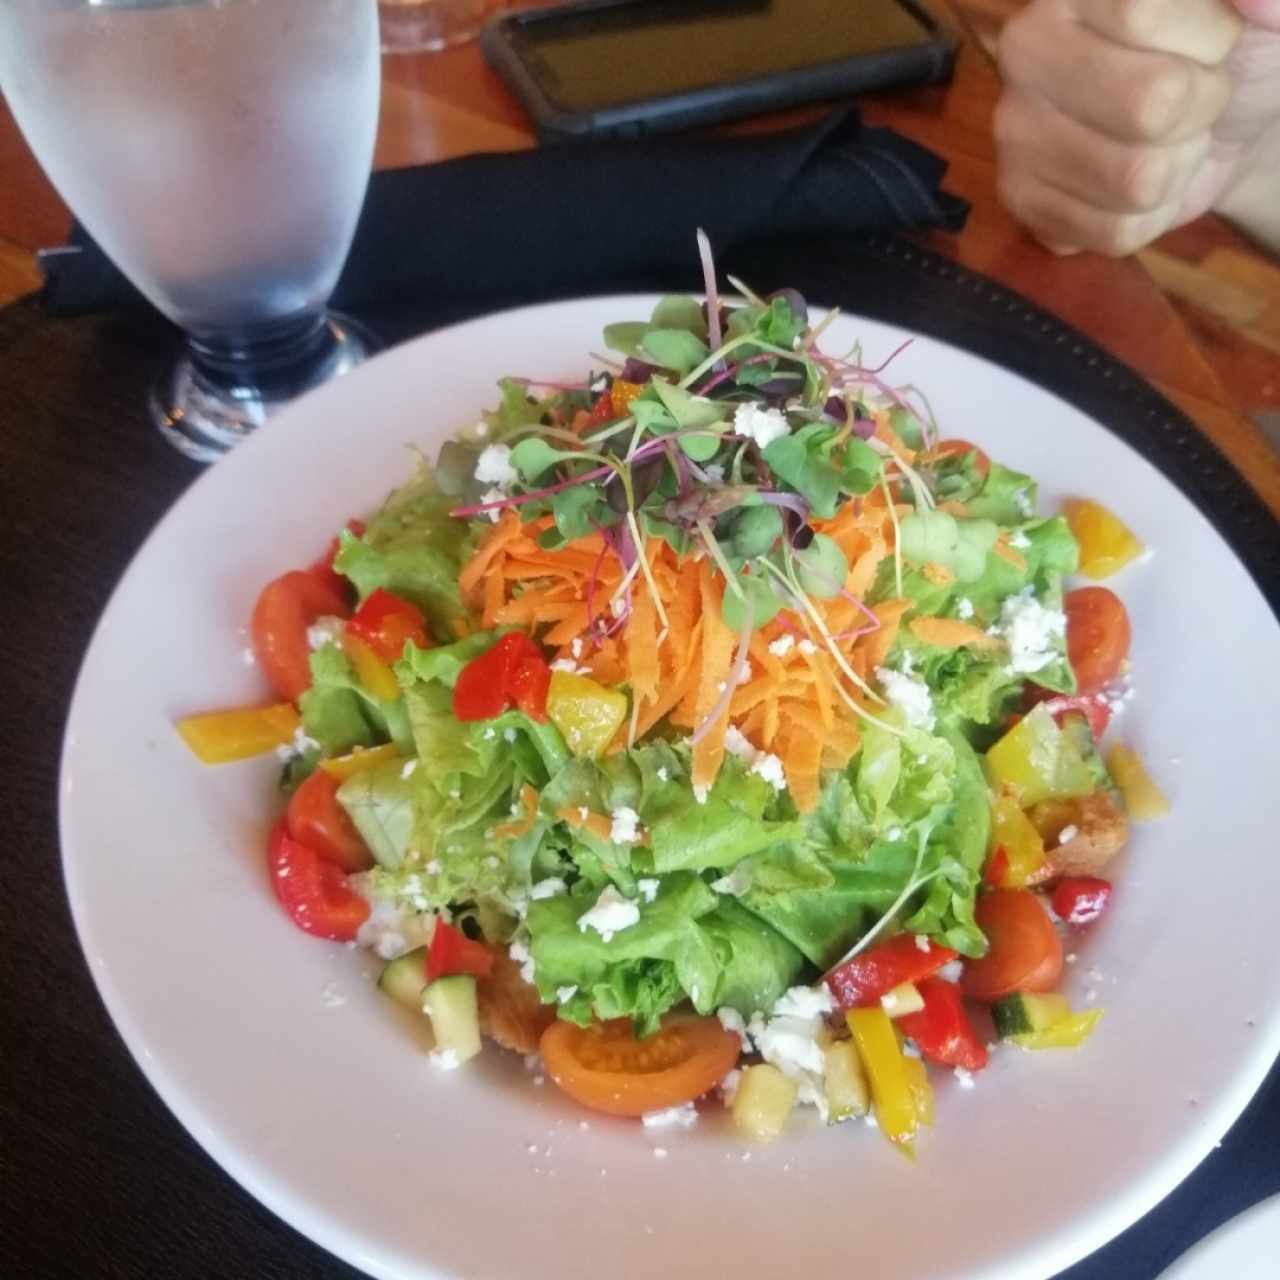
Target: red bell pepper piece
1080 899
451 951
602 410
942 1030
385 621
513 672
875 972
997 866
314 892
1092 706
323 568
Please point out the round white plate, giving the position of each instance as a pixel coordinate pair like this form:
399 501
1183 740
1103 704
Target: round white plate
303 1082
1245 1248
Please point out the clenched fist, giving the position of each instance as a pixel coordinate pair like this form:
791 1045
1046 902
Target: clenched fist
1123 118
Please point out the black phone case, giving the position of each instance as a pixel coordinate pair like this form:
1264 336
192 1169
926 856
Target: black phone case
928 63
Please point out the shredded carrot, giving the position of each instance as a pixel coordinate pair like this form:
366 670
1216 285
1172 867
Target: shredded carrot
876 644
594 823
505 531
950 633
521 826
718 645
801 756
937 573
1006 552
642 647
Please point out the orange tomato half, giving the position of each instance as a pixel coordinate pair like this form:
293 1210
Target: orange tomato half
1098 635
1023 952
606 1068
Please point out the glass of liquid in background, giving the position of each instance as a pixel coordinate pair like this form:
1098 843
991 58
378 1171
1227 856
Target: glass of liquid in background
218 151
417 26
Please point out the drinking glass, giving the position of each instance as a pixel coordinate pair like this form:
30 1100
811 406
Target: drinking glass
416 26
218 151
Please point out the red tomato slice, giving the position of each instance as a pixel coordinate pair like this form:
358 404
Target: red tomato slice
287 606
315 818
1093 707
945 448
323 568
876 971
385 622
606 1068
451 952
1023 952
314 892
1098 635
942 1029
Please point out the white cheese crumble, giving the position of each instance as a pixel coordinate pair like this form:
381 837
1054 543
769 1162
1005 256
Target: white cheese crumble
434 867
408 768
565 994
737 882
298 746
1034 633
519 952
807 647
663 774
626 826
1069 832
908 694
767 765
964 608
951 971
1019 540
922 943
788 1039
611 914
1022 500
648 888
331 997
575 647
681 1117
700 792
445 1059
490 495
250 659
568 666
493 466
782 645
764 426
551 887
964 1078
732 1020
326 629
729 1086
508 735
391 928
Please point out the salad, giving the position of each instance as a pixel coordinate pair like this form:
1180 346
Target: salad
709 728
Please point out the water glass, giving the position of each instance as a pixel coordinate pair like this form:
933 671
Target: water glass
218 151
414 26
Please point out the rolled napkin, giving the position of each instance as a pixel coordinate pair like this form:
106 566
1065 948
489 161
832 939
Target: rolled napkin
576 218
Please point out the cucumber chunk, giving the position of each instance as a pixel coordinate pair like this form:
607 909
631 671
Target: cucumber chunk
450 1003
405 977
1024 1011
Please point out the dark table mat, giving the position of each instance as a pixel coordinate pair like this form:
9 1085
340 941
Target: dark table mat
96 1177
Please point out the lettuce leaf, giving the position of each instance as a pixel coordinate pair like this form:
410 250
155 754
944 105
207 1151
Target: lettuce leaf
336 706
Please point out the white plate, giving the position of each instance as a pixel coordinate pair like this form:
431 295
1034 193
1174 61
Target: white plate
330 1113
1244 1248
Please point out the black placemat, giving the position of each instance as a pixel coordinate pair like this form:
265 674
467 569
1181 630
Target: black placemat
96 1178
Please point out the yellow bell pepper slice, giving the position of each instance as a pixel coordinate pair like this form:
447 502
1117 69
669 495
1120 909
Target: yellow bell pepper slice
1014 832
358 760
1068 1033
219 737
1038 761
921 1089
1143 799
892 1096
1107 544
586 713
376 676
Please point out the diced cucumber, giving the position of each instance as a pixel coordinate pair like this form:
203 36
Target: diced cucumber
404 978
844 1081
1067 1033
450 1003
1025 1011
903 999
763 1102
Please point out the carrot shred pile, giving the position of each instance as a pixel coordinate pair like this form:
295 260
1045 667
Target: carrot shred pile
793 699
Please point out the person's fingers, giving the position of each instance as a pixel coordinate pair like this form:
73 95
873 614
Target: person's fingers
1202 30
1034 138
1129 94
1066 224
1262 13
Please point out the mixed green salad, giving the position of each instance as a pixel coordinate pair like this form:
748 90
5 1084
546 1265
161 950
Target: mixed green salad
707 724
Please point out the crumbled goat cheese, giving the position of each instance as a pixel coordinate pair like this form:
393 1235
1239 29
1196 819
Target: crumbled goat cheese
491 495
408 768
910 695
519 952
391 928
508 735
788 1039
700 792
625 828
1069 832
1019 540
493 466
1022 500
964 1078
568 666
732 1020
922 942
551 887
575 647
767 765
648 888
1034 633
565 994
681 1117
611 914
807 647
782 645
764 426
326 629
729 1086
964 608
737 882
714 471
331 997
445 1059
951 971
663 774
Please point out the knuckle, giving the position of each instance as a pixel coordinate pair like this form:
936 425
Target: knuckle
1138 22
1153 105
1118 236
1144 176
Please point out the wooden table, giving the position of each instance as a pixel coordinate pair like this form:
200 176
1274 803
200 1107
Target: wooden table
449 104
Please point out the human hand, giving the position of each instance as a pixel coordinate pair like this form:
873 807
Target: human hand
1123 118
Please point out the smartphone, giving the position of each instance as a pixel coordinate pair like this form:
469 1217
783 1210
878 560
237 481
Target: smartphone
624 68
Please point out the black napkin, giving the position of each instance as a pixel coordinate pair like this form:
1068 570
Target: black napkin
579 218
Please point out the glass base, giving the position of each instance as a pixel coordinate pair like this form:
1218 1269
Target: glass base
205 406
427 26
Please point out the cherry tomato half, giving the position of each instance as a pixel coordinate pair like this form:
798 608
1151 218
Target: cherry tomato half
606 1068
316 818
1023 952
313 892
287 606
1098 635
323 568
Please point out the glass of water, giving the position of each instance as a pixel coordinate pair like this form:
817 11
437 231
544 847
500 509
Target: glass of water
418 26
218 151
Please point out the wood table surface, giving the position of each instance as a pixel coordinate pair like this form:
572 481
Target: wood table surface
436 106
